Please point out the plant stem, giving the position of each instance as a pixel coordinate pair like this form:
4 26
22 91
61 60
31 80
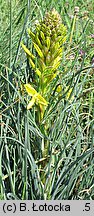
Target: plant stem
10 41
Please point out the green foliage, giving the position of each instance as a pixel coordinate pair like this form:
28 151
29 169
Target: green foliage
66 131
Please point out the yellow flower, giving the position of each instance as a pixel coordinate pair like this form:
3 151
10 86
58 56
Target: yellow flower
36 97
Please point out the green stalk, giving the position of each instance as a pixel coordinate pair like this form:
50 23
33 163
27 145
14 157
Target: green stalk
25 156
14 174
72 31
10 41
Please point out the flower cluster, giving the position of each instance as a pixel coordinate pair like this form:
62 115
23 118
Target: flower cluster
47 39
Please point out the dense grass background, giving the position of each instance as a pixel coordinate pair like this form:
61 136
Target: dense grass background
67 171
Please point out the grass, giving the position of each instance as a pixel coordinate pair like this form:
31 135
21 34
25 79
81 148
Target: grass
67 170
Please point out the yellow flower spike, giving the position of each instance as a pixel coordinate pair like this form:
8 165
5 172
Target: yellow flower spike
27 51
47 41
38 50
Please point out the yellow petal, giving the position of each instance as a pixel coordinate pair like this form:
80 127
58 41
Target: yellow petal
30 90
41 100
31 103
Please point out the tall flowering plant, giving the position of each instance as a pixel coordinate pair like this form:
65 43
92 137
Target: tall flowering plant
47 40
